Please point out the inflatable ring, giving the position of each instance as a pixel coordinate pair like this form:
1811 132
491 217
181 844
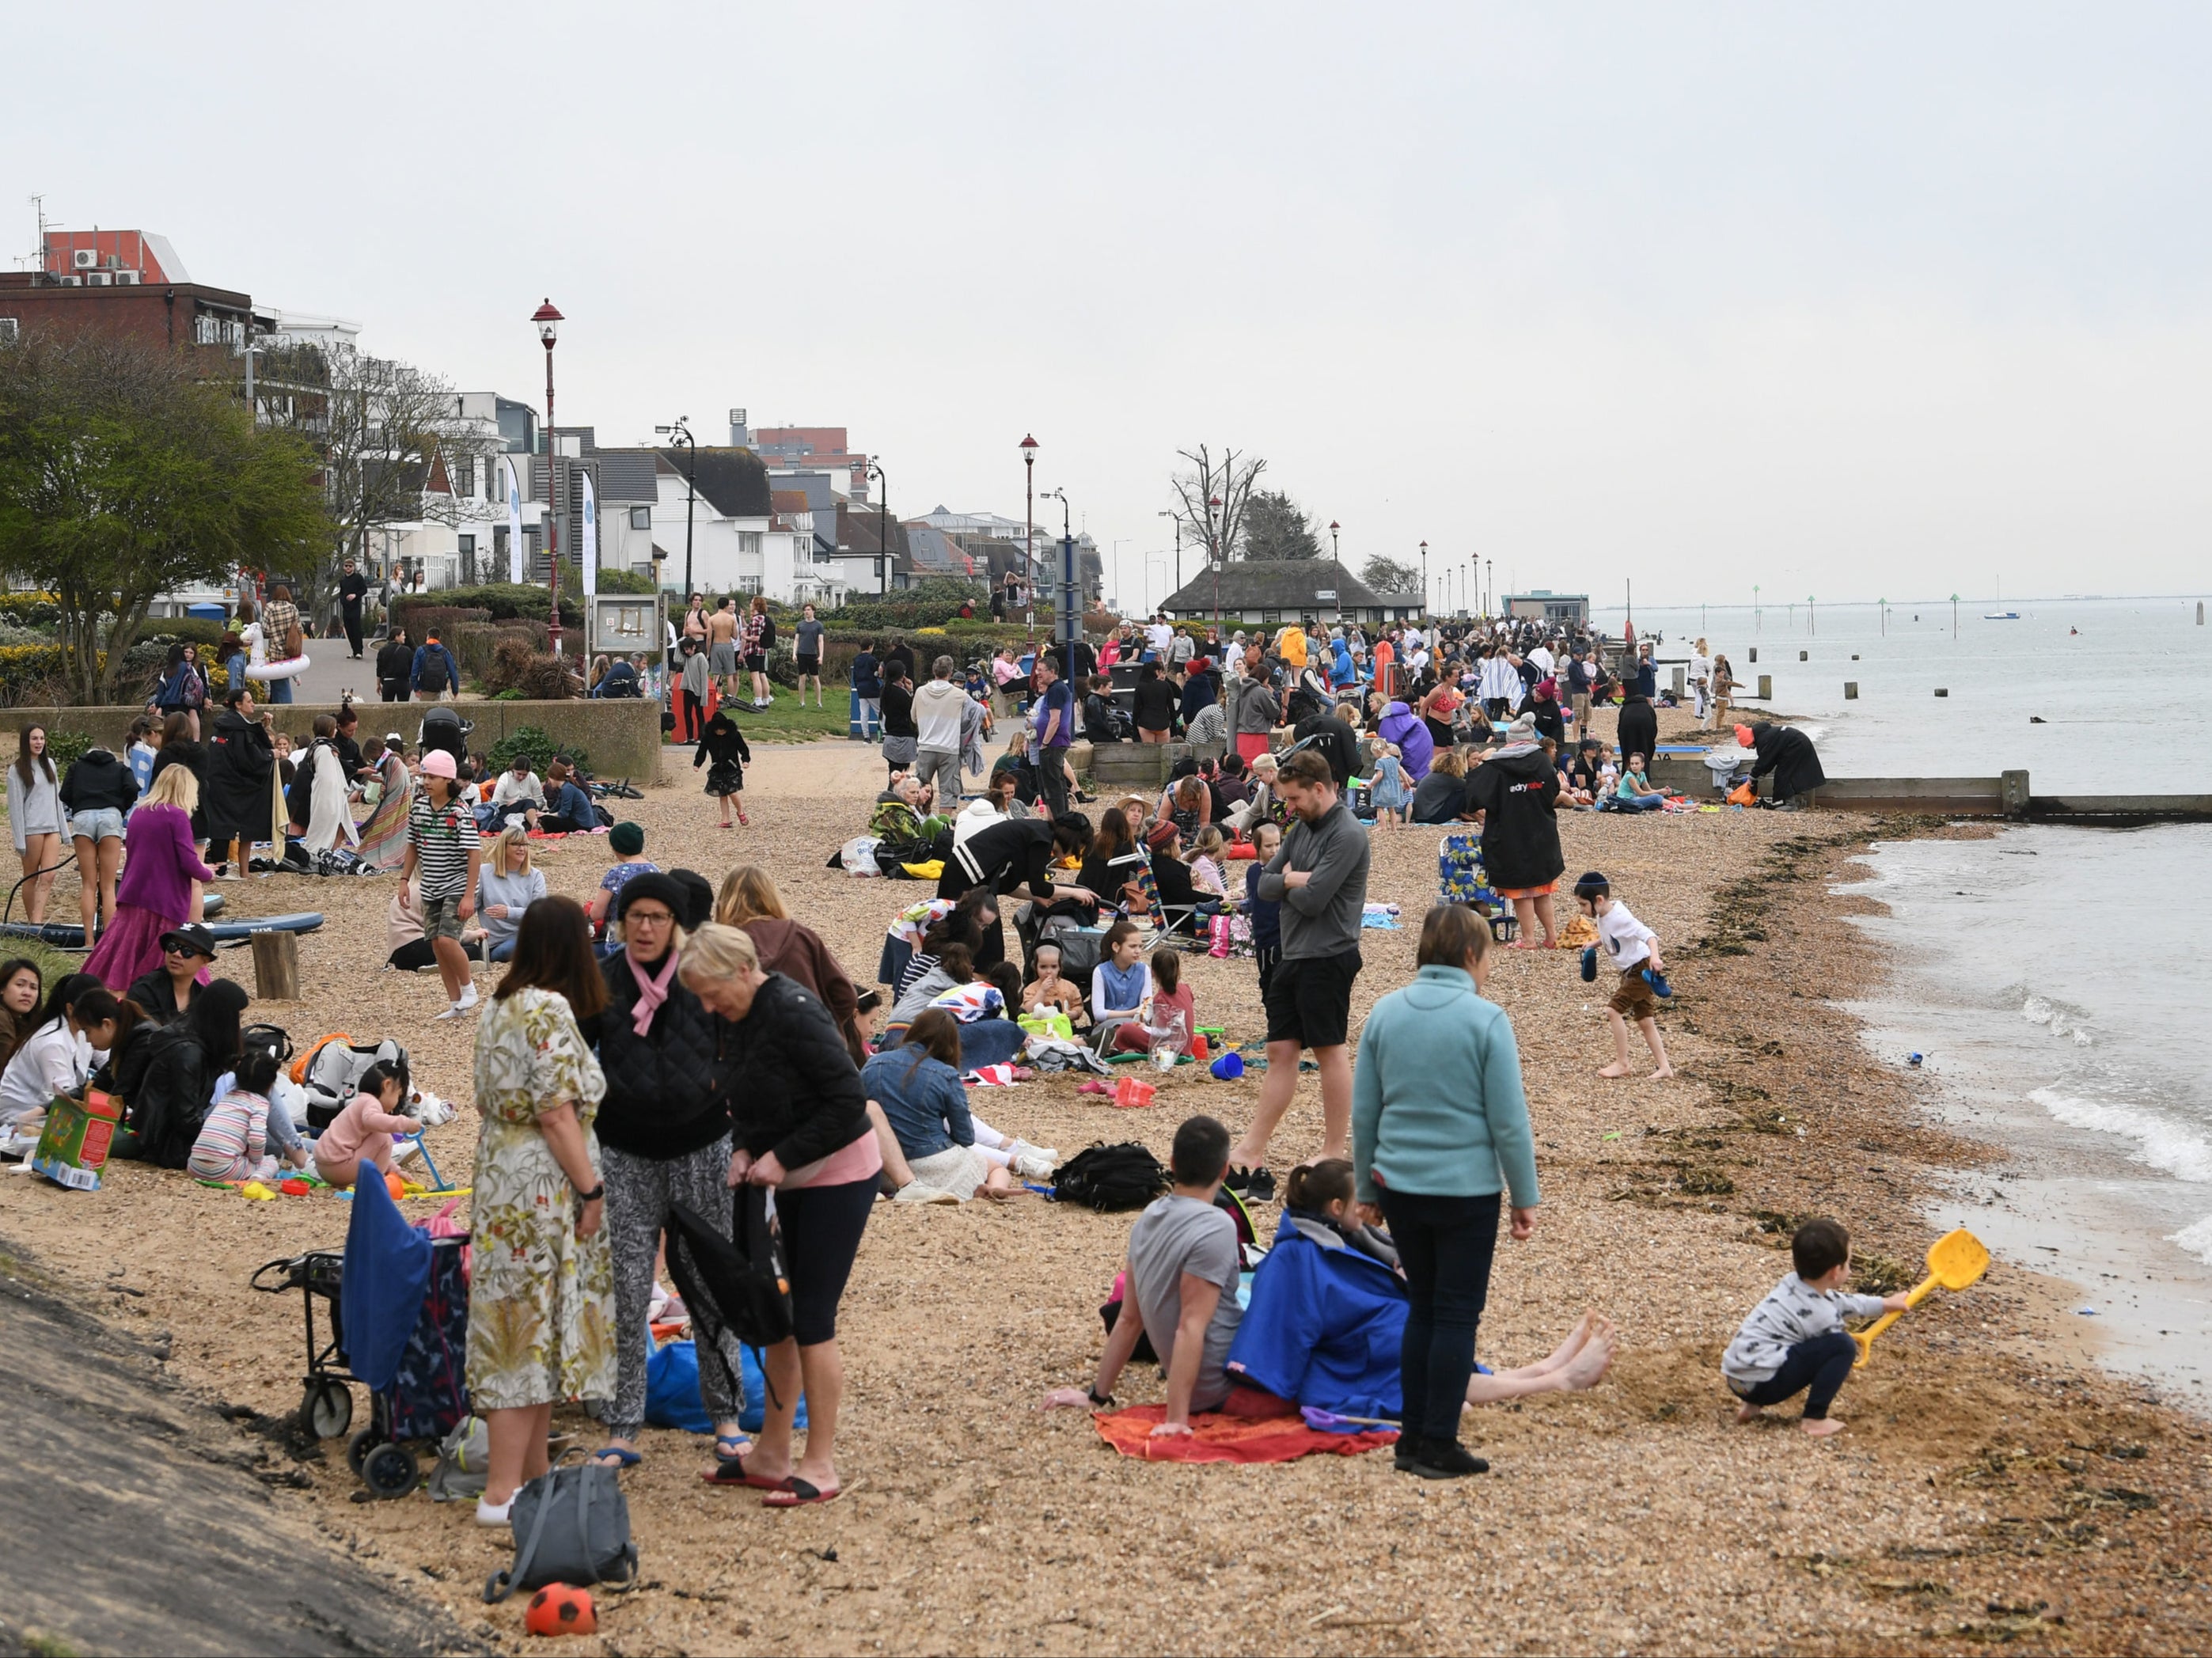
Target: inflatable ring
289 667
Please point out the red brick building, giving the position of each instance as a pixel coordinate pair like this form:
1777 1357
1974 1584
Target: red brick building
120 281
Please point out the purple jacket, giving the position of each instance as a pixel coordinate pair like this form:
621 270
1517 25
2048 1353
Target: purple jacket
1401 726
160 864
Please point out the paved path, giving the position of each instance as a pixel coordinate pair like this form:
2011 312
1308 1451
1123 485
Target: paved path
135 1519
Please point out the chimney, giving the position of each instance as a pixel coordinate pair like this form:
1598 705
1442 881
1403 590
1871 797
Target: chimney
741 435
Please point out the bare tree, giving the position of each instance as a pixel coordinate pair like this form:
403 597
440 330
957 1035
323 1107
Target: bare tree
1231 480
384 430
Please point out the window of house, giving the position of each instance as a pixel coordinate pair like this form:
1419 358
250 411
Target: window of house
1270 618
464 481
749 542
468 543
10 328
641 517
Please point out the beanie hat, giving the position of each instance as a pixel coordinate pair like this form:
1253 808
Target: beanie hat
627 839
654 884
1743 739
436 762
698 898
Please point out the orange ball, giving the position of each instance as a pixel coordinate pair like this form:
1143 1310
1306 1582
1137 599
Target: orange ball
395 1186
561 1609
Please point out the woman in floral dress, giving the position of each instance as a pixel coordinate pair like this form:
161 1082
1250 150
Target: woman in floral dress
541 1296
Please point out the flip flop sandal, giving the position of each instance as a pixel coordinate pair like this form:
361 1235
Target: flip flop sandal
798 1493
732 1448
622 1459
731 1470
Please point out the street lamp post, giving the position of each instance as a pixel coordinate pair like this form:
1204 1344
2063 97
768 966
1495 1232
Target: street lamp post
1029 447
1425 580
1215 551
1490 586
548 330
681 432
882 529
1177 520
1334 526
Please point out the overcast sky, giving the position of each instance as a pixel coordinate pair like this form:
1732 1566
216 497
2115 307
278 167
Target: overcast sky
1844 300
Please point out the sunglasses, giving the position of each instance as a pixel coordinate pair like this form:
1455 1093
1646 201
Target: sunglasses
182 949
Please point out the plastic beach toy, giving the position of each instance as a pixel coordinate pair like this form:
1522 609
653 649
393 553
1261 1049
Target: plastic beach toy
258 1192
1229 1067
1130 1093
1955 1261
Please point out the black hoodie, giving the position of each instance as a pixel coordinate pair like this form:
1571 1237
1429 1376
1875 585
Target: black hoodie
1515 789
1790 755
98 780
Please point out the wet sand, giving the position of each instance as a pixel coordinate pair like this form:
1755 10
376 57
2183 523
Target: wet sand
1994 1484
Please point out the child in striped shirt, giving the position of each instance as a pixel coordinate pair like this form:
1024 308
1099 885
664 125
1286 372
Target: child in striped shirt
233 1143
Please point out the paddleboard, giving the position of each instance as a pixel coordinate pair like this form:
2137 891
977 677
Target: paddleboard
61 937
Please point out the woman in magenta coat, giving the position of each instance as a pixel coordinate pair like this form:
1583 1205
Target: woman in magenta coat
160 866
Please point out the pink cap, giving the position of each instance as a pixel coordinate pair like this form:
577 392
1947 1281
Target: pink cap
438 764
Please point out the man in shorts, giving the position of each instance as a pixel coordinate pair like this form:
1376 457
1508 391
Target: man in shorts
809 641
1319 877
444 851
722 647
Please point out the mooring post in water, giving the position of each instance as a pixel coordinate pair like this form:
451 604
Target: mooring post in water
1851 690
2014 784
1765 686
2200 623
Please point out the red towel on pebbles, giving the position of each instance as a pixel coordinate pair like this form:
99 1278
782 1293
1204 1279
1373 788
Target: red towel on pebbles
1252 1426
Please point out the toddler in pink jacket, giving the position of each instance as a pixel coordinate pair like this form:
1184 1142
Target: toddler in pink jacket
361 1134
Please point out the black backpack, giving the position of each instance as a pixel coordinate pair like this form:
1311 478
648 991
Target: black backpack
433 677
1104 1177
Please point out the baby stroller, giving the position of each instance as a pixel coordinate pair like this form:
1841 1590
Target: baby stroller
397 1307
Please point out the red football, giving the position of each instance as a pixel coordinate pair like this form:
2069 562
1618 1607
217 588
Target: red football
560 1609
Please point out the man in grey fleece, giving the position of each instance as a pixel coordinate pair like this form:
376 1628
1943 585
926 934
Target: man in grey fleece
1320 877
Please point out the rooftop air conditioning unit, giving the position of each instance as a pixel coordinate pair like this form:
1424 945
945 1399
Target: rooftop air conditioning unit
98 278
127 279
70 281
84 259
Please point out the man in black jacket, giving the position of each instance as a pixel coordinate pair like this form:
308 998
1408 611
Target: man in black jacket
394 662
241 756
664 1130
353 589
1790 755
1332 740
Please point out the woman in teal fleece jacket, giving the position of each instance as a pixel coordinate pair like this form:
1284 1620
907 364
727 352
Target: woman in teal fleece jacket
1439 1130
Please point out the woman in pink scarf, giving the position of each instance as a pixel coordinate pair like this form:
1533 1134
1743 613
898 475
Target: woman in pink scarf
664 1131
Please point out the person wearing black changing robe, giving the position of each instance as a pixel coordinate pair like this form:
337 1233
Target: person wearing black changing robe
1015 858
1789 753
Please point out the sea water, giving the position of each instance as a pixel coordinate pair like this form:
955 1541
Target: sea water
2120 684
2057 979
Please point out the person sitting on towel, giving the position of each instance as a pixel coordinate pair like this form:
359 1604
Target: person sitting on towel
1182 1287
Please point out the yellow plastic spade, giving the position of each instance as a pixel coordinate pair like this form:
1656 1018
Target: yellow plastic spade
1955 1261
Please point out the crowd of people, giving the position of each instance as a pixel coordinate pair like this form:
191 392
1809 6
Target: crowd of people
672 1052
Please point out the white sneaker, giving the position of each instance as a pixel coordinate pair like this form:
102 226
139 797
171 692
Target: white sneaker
454 1011
1021 1145
408 1152
1033 1165
489 1514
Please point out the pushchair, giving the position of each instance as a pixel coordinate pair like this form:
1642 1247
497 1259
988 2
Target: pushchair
402 1332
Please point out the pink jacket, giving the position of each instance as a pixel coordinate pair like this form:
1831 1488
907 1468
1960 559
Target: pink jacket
363 1129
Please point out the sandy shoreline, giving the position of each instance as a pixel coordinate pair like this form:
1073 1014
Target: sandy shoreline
1994 1484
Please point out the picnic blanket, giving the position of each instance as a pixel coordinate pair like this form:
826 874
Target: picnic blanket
1217 1437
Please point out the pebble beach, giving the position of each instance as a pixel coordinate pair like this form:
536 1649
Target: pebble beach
1995 1484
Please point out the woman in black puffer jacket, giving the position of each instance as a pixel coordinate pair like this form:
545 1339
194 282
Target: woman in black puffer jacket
167 1076
664 1132
799 1124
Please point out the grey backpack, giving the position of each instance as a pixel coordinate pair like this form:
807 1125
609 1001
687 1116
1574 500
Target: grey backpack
571 1525
464 1457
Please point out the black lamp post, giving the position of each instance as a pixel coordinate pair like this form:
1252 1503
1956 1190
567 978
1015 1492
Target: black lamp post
548 330
882 529
1029 448
1334 526
1216 551
681 432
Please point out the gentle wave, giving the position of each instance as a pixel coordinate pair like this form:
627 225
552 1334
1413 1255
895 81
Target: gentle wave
2197 1240
2061 1020
2162 1145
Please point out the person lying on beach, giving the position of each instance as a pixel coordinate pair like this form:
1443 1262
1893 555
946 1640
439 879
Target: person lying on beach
934 1149
1794 1341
